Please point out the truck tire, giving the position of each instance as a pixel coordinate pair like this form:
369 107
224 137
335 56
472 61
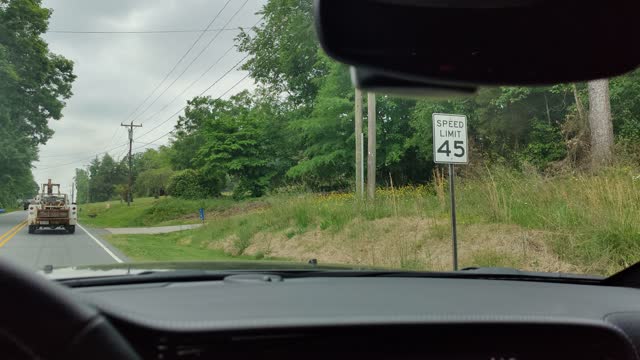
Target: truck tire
71 229
32 229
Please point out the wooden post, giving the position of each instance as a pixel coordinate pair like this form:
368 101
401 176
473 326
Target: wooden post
358 136
129 186
371 155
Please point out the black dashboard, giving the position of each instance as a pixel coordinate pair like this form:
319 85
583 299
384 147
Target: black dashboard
404 318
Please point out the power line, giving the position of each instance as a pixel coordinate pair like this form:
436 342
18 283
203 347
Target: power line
202 92
196 80
130 184
218 98
81 160
202 32
169 118
189 86
120 157
47 156
142 31
192 61
166 120
179 61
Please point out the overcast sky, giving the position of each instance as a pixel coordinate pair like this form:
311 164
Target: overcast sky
116 72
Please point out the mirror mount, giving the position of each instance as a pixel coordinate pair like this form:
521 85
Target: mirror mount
382 82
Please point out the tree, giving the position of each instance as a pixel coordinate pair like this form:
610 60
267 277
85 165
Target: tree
236 143
284 51
325 137
600 123
82 186
33 86
187 184
153 182
104 175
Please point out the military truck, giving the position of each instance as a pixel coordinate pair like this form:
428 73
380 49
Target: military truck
52 209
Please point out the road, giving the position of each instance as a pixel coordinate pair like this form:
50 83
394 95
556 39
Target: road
52 247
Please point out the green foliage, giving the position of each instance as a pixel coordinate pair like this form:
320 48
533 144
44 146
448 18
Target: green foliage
151 159
625 105
33 86
155 212
121 191
285 51
546 145
584 223
296 129
236 143
190 184
153 182
326 137
104 175
240 138
82 186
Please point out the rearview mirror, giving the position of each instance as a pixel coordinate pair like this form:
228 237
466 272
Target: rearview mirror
465 43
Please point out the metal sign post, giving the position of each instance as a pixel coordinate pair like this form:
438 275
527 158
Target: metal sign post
450 146
454 232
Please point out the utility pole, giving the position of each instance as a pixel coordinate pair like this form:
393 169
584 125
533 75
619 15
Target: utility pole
73 187
371 146
130 129
358 135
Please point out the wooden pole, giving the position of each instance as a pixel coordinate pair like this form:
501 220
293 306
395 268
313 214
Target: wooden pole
371 145
358 136
130 185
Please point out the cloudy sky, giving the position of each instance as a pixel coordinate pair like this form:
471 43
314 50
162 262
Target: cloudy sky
118 71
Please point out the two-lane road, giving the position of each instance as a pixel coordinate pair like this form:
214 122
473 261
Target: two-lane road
51 247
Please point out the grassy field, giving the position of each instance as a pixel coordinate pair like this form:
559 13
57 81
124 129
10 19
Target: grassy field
158 212
169 247
573 223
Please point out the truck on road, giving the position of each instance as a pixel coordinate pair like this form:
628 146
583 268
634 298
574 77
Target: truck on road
52 210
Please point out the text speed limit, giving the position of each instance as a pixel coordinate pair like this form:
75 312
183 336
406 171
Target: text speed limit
450 145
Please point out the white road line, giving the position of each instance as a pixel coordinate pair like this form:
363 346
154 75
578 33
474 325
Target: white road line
114 256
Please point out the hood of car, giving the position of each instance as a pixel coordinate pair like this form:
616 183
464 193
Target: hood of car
138 268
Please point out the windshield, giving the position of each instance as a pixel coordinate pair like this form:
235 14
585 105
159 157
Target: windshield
220 131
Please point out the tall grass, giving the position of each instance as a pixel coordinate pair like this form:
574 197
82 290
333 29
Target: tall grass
589 222
152 212
594 218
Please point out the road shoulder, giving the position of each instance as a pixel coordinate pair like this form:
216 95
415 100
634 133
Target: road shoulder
101 236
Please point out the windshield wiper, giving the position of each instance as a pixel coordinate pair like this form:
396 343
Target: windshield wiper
515 272
279 275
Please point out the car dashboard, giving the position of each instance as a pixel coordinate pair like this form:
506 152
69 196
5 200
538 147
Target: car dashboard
372 317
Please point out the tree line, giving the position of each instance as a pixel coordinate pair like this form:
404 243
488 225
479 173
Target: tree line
297 127
34 84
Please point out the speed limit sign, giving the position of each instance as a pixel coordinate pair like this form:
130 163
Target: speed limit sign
450 145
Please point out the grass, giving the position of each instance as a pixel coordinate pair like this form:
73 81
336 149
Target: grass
11 209
168 247
575 223
154 212
593 217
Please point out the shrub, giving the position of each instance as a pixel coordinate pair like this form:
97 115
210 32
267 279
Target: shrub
189 184
153 182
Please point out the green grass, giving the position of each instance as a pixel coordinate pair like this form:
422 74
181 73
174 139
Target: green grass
589 221
11 209
152 212
595 217
187 245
